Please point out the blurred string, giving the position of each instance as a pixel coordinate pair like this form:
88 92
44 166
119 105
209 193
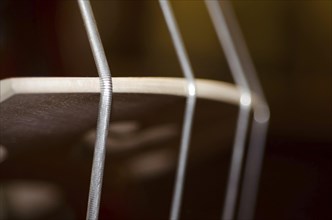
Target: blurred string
230 36
190 107
260 124
237 70
104 109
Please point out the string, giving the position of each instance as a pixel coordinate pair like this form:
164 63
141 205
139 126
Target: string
237 70
189 110
104 109
259 127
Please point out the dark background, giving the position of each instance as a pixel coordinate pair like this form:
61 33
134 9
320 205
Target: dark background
290 43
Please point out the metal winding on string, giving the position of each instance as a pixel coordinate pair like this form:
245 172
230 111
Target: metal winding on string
189 111
240 65
104 109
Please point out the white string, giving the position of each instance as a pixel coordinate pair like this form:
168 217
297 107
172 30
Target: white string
104 110
238 74
189 111
259 128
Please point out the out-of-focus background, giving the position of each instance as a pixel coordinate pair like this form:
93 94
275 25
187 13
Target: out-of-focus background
291 46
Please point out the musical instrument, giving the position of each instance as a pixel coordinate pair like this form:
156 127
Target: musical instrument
43 116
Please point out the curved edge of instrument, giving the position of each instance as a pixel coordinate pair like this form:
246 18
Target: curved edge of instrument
206 89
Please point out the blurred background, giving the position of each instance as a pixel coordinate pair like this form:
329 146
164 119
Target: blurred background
291 45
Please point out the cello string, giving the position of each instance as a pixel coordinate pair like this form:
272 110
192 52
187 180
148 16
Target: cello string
189 110
104 109
237 70
252 168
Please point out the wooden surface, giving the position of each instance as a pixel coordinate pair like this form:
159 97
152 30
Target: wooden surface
207 89
53 114
50 116
49 110
48 124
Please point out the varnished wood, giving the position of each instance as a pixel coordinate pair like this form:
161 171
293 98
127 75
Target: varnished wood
46 126
37 112
55 111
